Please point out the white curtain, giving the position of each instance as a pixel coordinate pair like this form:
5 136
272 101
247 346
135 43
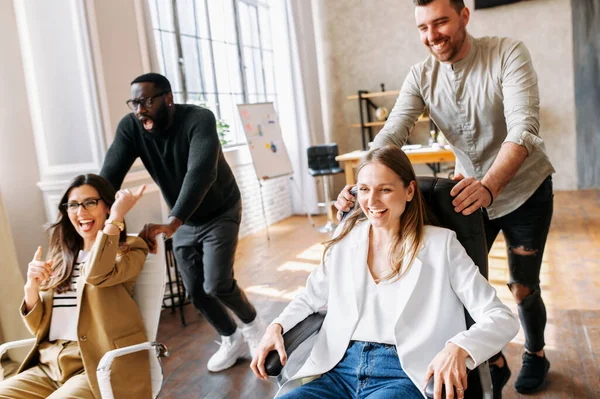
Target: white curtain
299 101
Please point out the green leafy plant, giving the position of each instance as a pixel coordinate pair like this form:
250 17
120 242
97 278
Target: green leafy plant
222 130
222 126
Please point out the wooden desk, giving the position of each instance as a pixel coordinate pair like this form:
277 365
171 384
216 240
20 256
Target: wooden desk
416 156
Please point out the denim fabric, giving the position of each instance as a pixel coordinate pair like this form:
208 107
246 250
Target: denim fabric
527 227
367 371
205 256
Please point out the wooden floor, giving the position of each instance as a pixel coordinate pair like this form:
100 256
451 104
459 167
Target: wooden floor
271 273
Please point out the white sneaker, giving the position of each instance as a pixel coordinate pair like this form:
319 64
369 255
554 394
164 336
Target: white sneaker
253 333
232 348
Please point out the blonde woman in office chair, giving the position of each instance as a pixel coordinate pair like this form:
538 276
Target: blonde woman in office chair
79 303
395 290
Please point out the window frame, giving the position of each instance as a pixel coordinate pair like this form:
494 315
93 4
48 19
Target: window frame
236 136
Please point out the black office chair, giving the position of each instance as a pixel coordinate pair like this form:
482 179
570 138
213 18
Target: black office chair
321 162
470 233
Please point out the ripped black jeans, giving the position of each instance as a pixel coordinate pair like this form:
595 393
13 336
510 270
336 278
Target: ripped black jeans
527 228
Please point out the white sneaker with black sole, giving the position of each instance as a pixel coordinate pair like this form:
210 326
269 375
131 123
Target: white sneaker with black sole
232 348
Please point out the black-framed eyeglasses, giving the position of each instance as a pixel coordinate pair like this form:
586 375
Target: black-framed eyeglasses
145 102
88 205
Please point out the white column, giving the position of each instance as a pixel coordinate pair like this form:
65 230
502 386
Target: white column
62 94
19 172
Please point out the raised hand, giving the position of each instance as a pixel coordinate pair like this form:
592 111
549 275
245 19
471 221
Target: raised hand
124 201
38 272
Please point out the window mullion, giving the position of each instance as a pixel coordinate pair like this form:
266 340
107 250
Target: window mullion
255 69
162 46
260 52
179 51
240 44
212 59
203 87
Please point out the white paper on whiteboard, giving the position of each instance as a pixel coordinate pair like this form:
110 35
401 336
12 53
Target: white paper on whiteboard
263 132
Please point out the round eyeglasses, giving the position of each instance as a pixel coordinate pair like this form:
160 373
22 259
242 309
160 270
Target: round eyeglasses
88 205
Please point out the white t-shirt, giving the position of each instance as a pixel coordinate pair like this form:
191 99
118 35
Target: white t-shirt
65 312
377 316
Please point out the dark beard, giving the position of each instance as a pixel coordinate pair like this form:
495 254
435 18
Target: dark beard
161 121
456 46
460 43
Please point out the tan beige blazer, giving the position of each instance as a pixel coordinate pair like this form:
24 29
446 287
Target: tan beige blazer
108 316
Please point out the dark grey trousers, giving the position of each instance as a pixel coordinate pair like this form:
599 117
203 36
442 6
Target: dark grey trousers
205 256
527 227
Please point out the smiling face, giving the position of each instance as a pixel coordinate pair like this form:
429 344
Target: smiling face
87 222
443 30
382 195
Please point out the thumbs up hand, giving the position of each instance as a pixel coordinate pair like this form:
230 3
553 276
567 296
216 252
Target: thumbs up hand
38 271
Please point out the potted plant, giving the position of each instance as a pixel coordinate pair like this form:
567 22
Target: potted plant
222 125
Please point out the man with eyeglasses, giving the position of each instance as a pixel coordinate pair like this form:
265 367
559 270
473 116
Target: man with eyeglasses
179 146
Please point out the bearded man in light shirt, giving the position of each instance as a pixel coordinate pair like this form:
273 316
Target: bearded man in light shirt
483 95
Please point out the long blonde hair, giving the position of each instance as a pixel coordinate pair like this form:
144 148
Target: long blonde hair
413 219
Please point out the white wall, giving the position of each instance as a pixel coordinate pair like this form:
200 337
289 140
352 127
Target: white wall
19 173
11 289
367 43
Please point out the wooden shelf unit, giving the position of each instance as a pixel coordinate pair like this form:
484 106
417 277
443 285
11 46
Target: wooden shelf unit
375 94
365 106
381 123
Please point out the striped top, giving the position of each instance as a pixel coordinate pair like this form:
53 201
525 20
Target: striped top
65 313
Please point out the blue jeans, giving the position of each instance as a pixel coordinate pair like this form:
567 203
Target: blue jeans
368 370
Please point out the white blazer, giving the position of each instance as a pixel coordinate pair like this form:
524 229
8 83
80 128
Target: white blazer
429 306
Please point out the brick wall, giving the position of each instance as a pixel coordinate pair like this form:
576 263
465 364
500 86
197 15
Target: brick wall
276 195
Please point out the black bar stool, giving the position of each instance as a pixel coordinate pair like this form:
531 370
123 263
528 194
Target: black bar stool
174 296
321 162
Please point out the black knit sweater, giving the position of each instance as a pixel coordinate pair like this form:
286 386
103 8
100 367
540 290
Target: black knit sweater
186 162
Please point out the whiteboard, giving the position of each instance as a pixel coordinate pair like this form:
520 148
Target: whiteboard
263 132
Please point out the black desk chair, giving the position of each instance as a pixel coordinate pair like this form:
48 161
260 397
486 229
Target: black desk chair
470 233
321 162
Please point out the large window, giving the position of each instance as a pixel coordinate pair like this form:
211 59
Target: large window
217 53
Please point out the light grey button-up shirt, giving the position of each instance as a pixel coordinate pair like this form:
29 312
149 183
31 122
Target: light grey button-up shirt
488 98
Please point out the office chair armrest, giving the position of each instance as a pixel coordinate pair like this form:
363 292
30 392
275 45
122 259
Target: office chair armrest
479 380
16 344
292 340
13 345
429 389
103 370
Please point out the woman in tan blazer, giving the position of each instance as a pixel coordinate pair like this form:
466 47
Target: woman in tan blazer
79 302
